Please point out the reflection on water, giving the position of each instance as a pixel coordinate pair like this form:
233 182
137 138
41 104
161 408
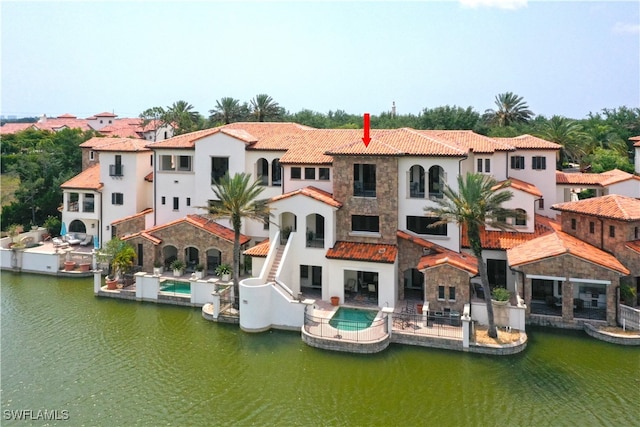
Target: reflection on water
111 362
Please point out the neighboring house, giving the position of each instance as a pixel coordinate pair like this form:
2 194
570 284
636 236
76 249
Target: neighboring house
615 181
572 275
636 146
82 202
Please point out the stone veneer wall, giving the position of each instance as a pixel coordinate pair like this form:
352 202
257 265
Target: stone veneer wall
446 275
384 205
409 255
151 252
570 266
85 158
129 226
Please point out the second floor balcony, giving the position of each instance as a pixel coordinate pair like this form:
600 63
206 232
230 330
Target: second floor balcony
116 170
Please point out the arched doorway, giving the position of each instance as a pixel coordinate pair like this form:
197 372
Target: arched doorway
77 226
214 259
416 181
263 171
169 254
315 231
288 224
191 258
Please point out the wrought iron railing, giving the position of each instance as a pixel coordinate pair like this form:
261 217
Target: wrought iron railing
428 324
347 330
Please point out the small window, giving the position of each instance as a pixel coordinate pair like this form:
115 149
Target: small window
422 225
309 173
479 165
538 163
637 233
304 271
184 163
487 165
612 231
219 168
167 163
117 198
296 173
366 223
452 293
517 162
364 180
573 223
592 227
540 203
521 218
324 174
176 203
163 200
151 159
92 155
188 201
441 292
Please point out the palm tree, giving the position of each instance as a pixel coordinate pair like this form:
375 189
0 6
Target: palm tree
228 110
476 204
567 133
511 109
182 115
264 107
238 200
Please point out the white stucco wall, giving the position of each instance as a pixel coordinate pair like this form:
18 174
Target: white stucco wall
637 160
295 184
408 206
525 201
544 180
629 188
170 184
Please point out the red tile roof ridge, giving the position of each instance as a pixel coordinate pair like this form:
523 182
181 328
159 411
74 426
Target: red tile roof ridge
145 235
370 252
105 114
560 243
501 240
88 179
204 223
523 186
471 143
259 250
135 215
186 140
634 245
312 192
612 206
527 141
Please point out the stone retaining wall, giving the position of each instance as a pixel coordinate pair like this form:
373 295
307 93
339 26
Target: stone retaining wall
612 338
431 342
501 350
345 346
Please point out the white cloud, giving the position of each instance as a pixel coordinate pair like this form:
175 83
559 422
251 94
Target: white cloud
500 4
622 28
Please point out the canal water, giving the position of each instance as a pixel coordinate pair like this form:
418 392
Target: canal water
109 362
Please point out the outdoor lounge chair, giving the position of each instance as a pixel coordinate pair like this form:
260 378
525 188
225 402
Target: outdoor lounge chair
73 240
87 240
59 243
372 290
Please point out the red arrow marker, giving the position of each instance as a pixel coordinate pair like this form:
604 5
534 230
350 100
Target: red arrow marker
367 126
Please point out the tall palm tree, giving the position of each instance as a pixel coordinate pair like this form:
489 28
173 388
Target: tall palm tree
228 110
181 114
511 109
264 107
476 204
238 200
567 133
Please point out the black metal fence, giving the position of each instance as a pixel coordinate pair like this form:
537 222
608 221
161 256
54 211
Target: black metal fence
429 324
348 330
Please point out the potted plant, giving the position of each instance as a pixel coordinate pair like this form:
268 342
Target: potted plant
13 230
199 271
120 256
500 296
335 301
627 294
157 268
177 266
224 271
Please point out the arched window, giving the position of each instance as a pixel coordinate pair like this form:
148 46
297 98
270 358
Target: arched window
436 181
276 173
521 217
263 171
77 226
315 231
416 182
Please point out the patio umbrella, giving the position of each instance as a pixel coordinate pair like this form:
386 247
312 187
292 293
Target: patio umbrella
96 242
63 229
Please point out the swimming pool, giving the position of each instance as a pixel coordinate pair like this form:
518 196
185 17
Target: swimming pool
352 319
176 287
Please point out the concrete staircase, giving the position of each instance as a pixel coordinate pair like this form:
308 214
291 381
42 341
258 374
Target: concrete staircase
271 278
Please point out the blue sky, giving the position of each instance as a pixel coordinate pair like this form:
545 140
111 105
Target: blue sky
567 58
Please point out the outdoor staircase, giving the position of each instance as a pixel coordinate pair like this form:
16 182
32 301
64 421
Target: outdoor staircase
271 278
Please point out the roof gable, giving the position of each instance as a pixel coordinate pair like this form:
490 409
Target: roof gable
441 256
311 192
612 206
88 179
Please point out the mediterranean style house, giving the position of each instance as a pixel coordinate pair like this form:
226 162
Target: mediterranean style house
348 221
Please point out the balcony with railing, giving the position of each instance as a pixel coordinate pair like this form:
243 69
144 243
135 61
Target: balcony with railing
116 170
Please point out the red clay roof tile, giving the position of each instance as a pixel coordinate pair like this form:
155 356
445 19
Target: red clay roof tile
612 206
508 239
529 142
441 255
312 192
259 250
130 217
88 179
370 252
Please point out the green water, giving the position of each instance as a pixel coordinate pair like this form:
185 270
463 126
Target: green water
110 362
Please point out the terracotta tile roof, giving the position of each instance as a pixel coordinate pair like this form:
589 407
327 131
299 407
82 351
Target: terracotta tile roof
601 179
186 140
312 192
88 179
115 144
153 239
202 223
467 140
637 139
398 142
266 135
524 186
634 245
441 255
502 240
8 128
105 114
612 206
130 217
529 142
149 177
259 250
55 124
369 252
560 243
67 116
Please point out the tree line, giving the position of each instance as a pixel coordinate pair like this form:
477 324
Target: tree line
43 160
